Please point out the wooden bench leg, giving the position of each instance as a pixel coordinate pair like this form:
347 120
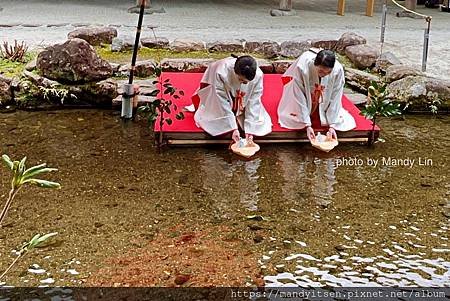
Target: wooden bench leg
341 7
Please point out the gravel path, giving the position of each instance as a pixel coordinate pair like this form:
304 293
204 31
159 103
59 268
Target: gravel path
47 22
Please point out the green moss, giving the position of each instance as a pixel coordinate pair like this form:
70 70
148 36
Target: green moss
345 61
145 53
14 69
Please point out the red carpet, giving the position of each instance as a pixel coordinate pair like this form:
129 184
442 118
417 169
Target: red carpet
273 88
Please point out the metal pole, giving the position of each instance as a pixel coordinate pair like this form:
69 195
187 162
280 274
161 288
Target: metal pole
127 97
426 39
383 22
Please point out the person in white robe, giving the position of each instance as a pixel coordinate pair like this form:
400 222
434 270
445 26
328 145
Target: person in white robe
313 86
229 97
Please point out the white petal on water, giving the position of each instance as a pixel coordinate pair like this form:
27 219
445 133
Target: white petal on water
400 249
72 272
301 243
48 280
37 271
438 250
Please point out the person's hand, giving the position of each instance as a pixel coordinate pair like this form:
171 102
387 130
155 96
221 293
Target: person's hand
236 136
331 134
249 138
310 133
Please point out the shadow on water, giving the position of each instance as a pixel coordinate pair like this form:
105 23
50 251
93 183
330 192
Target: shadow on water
330 218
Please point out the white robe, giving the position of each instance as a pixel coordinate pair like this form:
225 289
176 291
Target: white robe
215 115
295 105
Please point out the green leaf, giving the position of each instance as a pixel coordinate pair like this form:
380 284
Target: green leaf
45 237
31 173
32 243
8 162
154 93
21 167
43 183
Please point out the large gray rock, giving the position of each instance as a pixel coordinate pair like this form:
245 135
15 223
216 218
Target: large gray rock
145 86
385 60
324 44
6 95
281 66
142 69
420 92
39 80
396 72
265 66
186 65
98 94
349 39
269 49
180 45
124 43
94 35
73 61
294 49
226 46
159 43
359 80
362 56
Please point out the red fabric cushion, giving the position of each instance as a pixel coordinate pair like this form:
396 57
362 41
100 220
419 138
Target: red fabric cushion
273 89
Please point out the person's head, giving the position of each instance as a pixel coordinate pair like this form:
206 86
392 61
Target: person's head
245 68
324 62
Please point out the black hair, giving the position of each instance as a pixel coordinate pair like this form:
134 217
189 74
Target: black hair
325 58
246 66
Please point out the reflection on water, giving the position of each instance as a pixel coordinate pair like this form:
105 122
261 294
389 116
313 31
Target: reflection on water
307 178
325 224
239 178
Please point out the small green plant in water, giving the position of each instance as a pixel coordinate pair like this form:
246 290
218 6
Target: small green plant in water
22 176
166 95
36 241
377 105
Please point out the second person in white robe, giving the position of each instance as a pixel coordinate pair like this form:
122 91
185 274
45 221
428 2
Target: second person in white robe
314 82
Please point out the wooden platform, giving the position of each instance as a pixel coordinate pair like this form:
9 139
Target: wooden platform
185 132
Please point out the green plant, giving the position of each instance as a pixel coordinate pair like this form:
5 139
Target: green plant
14 53
377 105
166 95
36 241
22 176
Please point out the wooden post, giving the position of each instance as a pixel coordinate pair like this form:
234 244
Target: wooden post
286 5
369 8
341 7
147 4
411 4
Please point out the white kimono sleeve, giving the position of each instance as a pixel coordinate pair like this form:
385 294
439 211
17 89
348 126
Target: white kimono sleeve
299 92
335 107
224 99
253 118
